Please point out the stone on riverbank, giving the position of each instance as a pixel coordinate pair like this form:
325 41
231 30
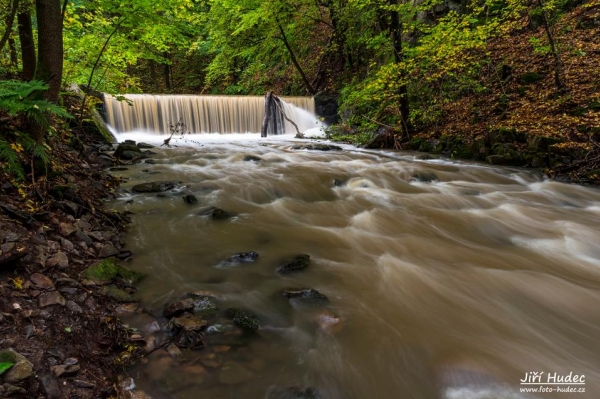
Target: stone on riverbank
107 270
154 187
21 369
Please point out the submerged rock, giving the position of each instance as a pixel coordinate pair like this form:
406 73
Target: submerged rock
252 158
292 393
317 147
188 322
205 306
305 297
154 187
233 373
244 319
297 263
190 199
178 307
425 177
242 257
126 147
119 295
216 213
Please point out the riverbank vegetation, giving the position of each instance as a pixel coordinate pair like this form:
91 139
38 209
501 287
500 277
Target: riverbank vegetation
451 77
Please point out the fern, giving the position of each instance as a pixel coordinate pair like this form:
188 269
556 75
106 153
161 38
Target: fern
26 98
9 158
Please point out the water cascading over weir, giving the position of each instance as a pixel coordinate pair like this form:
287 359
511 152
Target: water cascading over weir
206 114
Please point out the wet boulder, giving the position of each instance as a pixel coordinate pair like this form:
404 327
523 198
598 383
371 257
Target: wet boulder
239 258
244 319
275 392
424 177
317 147
252 158
216 213
124 147
190 199
178 307
305 297
205 306
154 187
244 257
297 263
188 322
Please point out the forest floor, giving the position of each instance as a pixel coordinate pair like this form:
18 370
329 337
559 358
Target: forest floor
520 118
60 334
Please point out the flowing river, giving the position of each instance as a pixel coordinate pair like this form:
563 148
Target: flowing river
445 279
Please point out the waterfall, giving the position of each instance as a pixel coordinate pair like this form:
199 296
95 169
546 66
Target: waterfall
203 114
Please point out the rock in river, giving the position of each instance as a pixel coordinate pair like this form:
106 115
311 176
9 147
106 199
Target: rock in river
244 319
317 147
305 297
297 263
154 187
216 213
292 393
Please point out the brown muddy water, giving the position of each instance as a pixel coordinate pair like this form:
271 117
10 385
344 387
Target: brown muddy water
445 279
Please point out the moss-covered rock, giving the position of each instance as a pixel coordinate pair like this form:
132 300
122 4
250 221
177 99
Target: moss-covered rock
297 263
244 319
119 295
109 269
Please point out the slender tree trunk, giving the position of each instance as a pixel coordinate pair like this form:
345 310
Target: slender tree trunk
27 44
167 73
14 58
396 36
558 81
50 46
153 77
9 23
309 87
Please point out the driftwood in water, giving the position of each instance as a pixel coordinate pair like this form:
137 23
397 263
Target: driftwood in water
273 105
267 117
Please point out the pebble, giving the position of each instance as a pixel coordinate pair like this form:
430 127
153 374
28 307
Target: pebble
66 229
74 307
107 251
65 370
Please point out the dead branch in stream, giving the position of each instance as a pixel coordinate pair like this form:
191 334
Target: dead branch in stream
271 99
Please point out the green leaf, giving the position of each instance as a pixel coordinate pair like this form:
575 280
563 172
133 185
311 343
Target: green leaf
5 367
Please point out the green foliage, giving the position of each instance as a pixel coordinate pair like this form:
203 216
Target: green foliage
5 367
9 158
26 99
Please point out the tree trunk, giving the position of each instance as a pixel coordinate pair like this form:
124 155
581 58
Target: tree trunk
396 36
14 58
9 23
558 81
27 44
309 87
167 77
50 46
